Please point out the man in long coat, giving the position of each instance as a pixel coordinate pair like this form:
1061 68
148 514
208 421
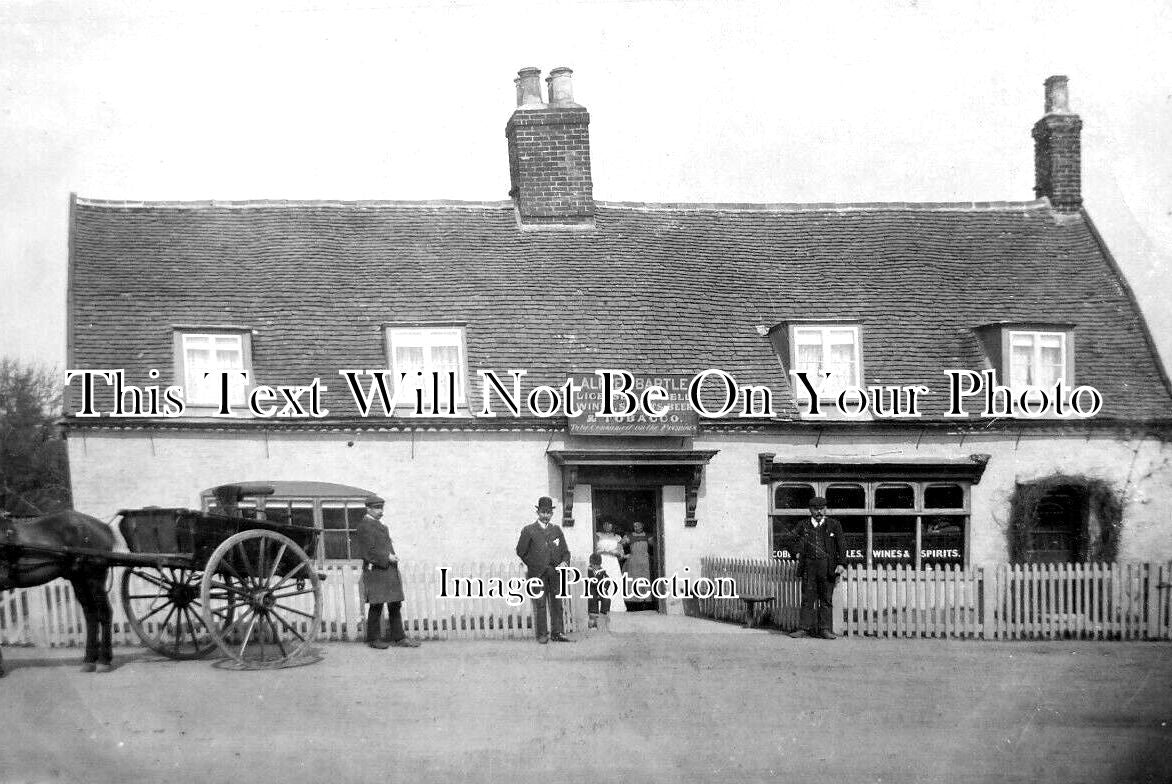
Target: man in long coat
543 548
821 561
381 582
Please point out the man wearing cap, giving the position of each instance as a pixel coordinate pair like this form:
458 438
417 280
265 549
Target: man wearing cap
543 548
381 583
821 561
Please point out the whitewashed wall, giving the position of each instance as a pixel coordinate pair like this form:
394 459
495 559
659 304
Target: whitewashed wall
464 496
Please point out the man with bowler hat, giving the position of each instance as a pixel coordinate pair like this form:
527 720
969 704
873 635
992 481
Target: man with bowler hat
821 561
543 548
381 582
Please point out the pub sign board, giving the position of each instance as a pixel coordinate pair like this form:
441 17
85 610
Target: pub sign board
680 418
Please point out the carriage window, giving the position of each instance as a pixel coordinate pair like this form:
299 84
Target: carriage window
289 512
200 353
339 519
335 514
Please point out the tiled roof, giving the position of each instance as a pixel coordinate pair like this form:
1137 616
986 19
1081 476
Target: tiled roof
651 288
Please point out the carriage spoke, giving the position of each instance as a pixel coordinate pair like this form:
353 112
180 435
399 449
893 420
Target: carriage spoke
277 562
249 571
170 613
287 608
294 592
150 578
160 608
248 634
261 547
191 628
231 589
291 576
290 628
277 636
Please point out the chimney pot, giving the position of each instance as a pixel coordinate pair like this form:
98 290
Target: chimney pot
1057 96
1058 150
529 87
561 90
549 153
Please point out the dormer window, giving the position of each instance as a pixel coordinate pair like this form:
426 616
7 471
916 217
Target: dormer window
429 360
202 355
1036 358
1035 354
827 348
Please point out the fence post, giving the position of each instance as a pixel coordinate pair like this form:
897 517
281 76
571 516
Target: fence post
1151 599
836 622
985 588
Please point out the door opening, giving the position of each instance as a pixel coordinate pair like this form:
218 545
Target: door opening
634 513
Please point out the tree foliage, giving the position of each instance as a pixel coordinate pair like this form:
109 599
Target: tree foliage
34 464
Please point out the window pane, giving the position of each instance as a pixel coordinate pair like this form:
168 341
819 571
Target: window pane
895 497
336 544
854 537
445 360
846 497
409 360
809 360
893 539
212 354
1051 368
333 516
942 540
782 535
1021 370
792 496
289 512
944 497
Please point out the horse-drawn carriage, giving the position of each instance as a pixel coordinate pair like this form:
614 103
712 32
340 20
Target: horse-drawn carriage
192 581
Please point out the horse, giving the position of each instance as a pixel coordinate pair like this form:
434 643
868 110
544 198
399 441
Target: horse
28 559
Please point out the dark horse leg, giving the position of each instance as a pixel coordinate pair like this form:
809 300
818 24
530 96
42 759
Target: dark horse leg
89 586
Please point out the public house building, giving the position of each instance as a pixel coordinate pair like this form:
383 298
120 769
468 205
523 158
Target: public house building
993 392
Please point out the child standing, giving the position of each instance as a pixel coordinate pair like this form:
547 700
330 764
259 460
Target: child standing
597 606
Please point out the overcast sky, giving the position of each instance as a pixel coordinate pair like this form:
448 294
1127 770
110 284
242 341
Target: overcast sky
690 101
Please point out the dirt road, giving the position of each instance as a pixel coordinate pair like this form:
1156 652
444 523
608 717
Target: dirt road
660 700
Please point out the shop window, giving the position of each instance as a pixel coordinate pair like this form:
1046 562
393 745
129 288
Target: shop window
793 496
883 522
792 504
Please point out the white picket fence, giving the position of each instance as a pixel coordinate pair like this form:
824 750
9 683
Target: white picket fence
50 616
1121 601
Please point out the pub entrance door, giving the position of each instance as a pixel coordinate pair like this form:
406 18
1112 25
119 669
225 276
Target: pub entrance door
624 506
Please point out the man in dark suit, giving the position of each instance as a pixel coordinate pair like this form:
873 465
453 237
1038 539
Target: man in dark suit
543 548
381 582
821 561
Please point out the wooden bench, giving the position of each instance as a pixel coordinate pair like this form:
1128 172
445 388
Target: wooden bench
757 606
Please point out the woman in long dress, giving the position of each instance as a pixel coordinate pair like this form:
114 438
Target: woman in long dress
609 545
639 548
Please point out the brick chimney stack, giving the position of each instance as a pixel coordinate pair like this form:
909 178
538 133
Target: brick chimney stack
1058 151
549 152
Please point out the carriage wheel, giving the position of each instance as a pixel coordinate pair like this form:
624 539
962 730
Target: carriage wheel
165 610
261 599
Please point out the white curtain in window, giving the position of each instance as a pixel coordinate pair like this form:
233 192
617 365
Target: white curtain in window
212 354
